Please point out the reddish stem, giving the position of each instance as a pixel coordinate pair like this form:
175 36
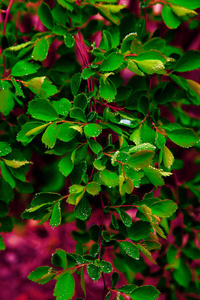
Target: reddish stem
7 14
102 217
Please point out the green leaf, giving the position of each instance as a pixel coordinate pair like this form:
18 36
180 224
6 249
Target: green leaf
87 73
66 165
182 274
78 114
42 275
56 215
50 135
93 188
2 244
62 106
112 62
185 3
7 174
66 133
75 83
23 68
94 146
154 176
80 101
126 219
139 230
4 148
18 89
145 292
45 15
59 259
41 198
114 278
141 159
94 271
132 66
107 90
130 249
130 43
7 102
170 19
188 61
109 178
164 208
182 11
40 49
65 287
69 40
83 209
92 130
106 267
42 109
183 137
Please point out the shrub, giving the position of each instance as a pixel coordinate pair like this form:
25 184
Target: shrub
94 93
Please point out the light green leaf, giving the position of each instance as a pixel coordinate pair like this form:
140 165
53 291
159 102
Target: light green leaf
109 178
16 163
50 135
182 11
45 15
66 165
93 188
132 66
183 137
92 130
56 215
168 158
23 68
141 159
130 249
40 49
151 66
42 109
65 287
35 84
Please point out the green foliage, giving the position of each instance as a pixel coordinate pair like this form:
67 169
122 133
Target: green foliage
112 145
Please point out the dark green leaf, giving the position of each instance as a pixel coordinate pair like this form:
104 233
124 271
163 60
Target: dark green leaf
107 90
42 109
7 174
69 40
189 61
45 15
83 209
130 249
80 101
94 271
183 137
59 259
4 148
126 219
75 83
145 292
2 244
42 275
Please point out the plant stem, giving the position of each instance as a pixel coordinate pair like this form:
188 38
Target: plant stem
102 217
